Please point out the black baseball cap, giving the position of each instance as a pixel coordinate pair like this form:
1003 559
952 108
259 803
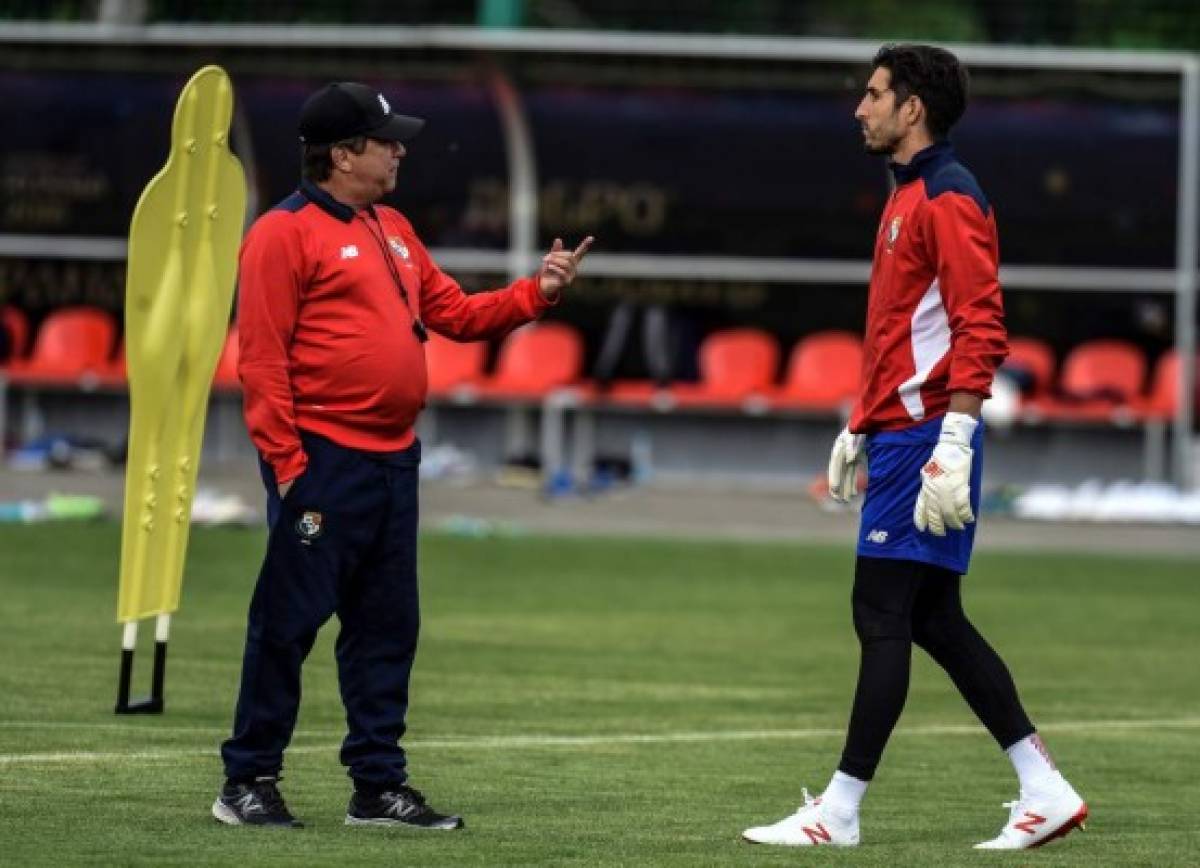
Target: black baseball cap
346 109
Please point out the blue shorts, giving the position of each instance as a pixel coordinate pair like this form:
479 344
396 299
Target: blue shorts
894 462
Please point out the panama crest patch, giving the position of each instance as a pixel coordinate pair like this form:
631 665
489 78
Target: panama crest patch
893 233
398 247
309 526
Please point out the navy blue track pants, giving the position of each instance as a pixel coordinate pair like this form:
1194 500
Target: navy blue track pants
343 541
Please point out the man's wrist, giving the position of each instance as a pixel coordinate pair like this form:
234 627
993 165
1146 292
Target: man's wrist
966 402
545 297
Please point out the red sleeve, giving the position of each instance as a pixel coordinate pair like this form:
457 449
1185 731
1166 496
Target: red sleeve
271 273
448 310
967 252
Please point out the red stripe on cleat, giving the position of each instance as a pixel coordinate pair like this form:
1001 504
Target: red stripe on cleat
1076 822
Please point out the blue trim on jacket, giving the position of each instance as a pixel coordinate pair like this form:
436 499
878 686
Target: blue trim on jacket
939 167
307 193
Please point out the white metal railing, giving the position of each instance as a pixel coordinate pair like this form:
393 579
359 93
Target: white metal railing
673 267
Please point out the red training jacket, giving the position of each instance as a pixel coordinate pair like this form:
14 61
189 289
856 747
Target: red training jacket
935 318
326 338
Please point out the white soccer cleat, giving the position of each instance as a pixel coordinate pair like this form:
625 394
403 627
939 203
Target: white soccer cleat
813 825
1037 820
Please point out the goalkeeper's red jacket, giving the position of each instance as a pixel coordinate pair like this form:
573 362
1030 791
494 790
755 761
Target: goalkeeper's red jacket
935 319
326 335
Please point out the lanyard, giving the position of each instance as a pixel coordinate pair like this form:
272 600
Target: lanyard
418 327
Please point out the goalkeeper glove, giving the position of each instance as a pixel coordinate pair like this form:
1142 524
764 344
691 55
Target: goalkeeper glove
844 461
945 497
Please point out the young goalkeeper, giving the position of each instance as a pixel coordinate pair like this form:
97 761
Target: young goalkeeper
934 338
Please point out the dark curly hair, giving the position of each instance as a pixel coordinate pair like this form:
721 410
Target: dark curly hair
933 74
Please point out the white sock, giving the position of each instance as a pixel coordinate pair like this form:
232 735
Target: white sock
844 794
1035 770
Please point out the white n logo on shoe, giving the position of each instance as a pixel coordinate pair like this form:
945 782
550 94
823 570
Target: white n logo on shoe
250 804
400 807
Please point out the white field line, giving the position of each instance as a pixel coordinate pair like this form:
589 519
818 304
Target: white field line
507 742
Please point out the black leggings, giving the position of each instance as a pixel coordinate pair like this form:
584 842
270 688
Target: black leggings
897 603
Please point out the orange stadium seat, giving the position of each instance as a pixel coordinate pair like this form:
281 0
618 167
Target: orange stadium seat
1034 358
535 360
736 366
1109 369
72 345
823 373
1162 401
453 367
1101 381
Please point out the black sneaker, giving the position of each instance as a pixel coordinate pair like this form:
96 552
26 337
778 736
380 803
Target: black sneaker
256 804
402 806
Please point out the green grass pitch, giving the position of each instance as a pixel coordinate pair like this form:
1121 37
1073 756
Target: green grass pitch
601 702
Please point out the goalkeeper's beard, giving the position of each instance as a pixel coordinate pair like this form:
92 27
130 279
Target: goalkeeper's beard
885 148
884 139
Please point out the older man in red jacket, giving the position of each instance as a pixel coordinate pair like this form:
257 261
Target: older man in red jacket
336 294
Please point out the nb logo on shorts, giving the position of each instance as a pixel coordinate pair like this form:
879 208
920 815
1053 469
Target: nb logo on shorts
350 251
877 536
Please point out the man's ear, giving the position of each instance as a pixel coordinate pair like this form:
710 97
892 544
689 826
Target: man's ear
914 110
340 159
